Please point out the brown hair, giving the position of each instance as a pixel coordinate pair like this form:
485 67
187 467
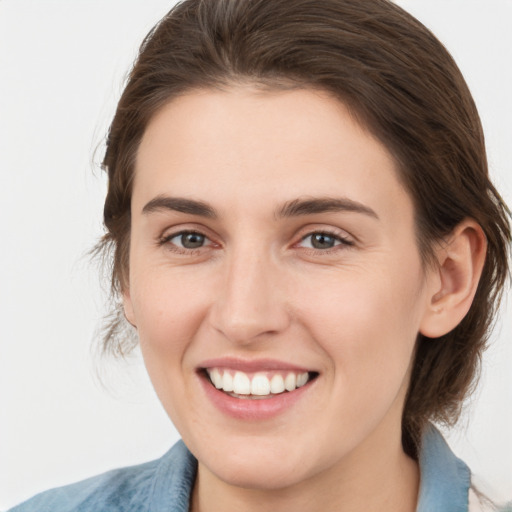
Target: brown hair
398 81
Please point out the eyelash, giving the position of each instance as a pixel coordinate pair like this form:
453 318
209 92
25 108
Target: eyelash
341 242
166 240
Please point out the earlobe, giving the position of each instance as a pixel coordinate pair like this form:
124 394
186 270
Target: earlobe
461 260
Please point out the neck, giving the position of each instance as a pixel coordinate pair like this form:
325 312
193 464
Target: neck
376 476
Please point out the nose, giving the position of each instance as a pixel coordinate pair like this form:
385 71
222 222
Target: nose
251 303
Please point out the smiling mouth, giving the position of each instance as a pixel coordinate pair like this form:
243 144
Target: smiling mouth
258 385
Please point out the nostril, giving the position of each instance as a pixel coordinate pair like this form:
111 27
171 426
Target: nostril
249 305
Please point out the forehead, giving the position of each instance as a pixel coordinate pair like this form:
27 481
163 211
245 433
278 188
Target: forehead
245 143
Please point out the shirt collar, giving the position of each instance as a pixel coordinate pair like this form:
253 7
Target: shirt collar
445 479
174 480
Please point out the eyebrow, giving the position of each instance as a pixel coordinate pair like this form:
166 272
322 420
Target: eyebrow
180 204
299 207
295 208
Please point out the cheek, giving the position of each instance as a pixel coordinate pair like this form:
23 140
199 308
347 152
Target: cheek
368 334
366 322
167 308
167 319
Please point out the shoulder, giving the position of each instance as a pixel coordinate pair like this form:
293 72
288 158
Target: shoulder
132 488
119 489
446 481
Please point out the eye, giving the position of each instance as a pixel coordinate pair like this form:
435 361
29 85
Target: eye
322 241
187 240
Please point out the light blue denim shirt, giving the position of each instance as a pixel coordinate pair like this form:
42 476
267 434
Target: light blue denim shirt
164 485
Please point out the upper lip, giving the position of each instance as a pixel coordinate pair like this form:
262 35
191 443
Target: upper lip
251 365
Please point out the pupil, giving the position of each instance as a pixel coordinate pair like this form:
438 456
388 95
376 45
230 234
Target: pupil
321 241
192 240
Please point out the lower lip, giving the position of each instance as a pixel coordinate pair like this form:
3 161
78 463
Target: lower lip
253 409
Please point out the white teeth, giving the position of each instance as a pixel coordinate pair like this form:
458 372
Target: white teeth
277 384
259 385
227 382
216 378
290 382
241 384
302 378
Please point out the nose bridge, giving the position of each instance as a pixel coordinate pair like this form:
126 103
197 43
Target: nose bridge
250 302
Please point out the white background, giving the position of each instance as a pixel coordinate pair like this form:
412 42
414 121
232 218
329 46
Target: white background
62 66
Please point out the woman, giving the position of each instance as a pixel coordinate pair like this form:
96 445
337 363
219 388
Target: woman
306 241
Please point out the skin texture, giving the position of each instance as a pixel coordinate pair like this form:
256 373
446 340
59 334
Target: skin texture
258 289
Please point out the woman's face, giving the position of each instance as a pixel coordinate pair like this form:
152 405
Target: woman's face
273 244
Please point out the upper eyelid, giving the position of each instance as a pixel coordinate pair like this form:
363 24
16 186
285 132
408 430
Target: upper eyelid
337 236
334 234
168 237
164 242
334 231
344 242
172 231
173 234
178 229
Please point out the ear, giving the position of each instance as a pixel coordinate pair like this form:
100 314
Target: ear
128 307
461 259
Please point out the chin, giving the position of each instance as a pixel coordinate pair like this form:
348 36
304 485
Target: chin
259 475
260 463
